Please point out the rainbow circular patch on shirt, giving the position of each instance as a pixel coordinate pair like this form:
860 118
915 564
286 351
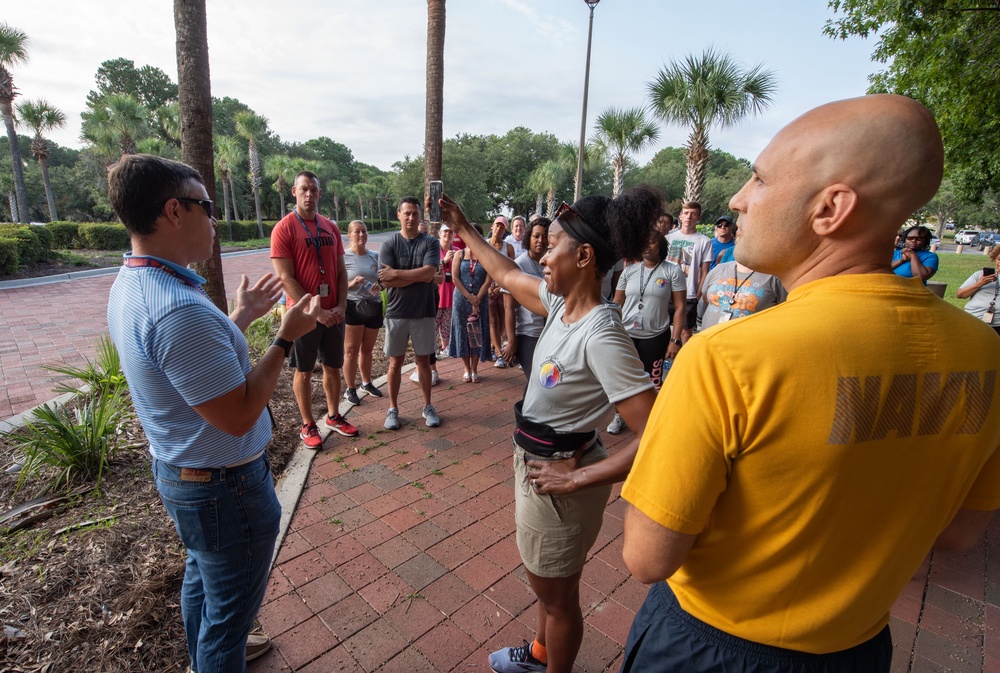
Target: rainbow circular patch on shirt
549 375
661 282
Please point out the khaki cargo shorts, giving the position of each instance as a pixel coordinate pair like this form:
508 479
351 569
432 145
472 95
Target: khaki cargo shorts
555 532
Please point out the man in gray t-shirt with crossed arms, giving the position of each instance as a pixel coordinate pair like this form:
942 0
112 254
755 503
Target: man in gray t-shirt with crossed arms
407 264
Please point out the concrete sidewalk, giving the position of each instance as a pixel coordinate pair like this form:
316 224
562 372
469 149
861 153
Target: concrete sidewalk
401 556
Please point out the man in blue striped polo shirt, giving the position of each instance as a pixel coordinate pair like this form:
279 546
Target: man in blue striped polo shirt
201 404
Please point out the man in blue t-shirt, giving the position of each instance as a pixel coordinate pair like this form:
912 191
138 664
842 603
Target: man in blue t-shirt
201 404
725 238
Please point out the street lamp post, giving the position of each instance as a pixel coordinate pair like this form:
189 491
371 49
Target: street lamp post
583 122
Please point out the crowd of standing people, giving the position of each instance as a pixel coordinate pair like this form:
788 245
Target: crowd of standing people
773 540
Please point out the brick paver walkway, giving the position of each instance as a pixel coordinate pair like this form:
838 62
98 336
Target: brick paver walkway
400 555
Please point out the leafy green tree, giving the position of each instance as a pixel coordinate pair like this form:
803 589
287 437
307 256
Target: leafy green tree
40 116
168 122
623 132
13 52
282 168
252 127
704 91
511 159
228 156
946 54
148 85
115 124
545 180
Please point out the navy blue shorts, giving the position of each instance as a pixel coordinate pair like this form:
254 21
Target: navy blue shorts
666 638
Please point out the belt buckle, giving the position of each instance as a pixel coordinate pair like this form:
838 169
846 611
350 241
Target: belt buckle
194 474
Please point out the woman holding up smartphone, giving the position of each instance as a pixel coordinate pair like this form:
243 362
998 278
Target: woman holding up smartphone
981 289
584 365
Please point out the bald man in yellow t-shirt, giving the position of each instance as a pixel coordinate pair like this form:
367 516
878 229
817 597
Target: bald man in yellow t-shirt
827 443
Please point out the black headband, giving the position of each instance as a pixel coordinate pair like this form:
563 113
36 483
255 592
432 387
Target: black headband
573 224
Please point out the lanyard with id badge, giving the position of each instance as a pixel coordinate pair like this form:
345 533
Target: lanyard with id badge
989 312
324 287
635 321
727 300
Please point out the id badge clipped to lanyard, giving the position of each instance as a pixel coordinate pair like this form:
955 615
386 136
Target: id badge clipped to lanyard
324 287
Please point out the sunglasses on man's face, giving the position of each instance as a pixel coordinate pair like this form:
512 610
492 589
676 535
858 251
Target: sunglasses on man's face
722 224
207 205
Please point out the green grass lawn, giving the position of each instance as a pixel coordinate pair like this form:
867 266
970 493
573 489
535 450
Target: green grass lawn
955 270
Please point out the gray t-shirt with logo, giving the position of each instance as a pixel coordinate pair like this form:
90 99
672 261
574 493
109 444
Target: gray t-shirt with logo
580 370
365 266
660 283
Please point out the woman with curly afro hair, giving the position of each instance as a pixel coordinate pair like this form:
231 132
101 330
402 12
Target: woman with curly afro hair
584 367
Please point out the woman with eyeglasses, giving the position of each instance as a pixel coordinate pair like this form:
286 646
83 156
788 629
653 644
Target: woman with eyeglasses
914 259
981 289
584 364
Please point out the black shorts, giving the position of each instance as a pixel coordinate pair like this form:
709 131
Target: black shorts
664 637
324 343
691 316
353 317
651 351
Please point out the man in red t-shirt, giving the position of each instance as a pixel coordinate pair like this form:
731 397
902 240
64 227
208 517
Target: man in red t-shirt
308 255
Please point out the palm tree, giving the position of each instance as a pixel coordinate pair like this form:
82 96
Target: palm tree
228 155
434 107
546 179
13 43
251 126
712 89
116 123
282 168
194 93
624 132
168 118
335 188
7 189
40 117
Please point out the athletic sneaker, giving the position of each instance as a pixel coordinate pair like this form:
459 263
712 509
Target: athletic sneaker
500 364
352 396
515 660
434 377
340 425
431 416
310 436
616 425
371 389
415 376
392 419
257 646
443 355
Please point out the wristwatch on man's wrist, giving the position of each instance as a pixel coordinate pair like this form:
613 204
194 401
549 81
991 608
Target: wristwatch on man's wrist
283 343
675 341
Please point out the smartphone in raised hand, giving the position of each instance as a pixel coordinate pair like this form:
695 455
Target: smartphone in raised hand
436 191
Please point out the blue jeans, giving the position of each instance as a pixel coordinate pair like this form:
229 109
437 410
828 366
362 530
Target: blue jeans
228 525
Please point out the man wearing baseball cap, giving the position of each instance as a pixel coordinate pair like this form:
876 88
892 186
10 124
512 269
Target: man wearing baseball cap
724 239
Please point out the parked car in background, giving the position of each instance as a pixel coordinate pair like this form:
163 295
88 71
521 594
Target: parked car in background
950 226
988 239
967 237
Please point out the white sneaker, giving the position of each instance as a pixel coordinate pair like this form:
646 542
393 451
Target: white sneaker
616 425
500 364
415 376
434 377
443 355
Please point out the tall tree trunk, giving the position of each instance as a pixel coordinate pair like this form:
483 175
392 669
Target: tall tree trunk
232 193
434 110
696 159
15 160
619 166
194 87
255 183
538 205
43 162
12 202
552 204
336 206
225 202
281 198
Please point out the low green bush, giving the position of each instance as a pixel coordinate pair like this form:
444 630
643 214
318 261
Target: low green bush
33 246
9 257
63 234
103 236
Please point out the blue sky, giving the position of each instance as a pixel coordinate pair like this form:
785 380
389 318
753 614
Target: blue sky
353 70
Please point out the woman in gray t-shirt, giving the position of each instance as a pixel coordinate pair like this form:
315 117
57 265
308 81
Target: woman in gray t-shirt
584 365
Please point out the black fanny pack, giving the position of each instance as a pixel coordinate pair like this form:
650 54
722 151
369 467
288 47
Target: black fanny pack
541 440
